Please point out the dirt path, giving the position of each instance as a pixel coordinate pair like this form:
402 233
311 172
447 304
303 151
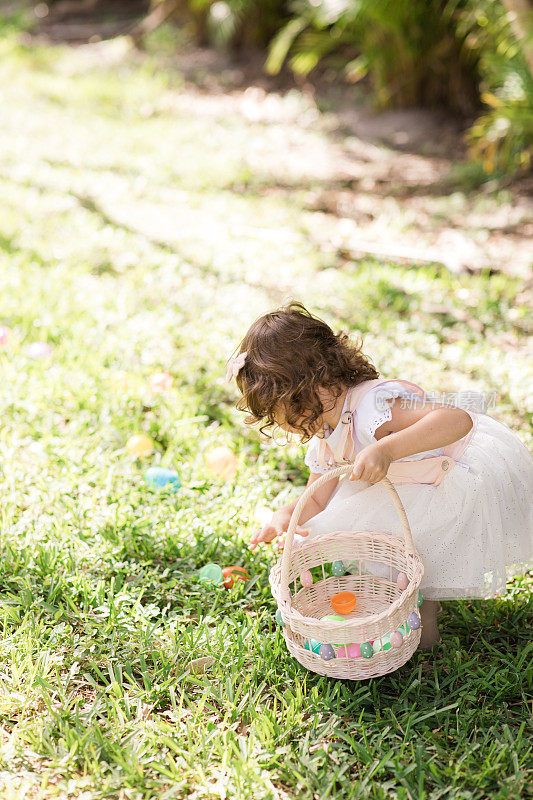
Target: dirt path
394 184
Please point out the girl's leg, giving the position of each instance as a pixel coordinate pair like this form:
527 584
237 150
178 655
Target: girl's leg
430 630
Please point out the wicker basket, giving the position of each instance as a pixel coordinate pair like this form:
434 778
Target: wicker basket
381 607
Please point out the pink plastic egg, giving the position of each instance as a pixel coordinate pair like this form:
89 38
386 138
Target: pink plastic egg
402 581
396 639
160 382
5 333
306 578
38 350
351 650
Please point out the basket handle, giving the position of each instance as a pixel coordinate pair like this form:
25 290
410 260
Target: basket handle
336 473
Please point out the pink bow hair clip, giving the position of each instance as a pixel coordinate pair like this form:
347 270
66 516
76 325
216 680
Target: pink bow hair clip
234 365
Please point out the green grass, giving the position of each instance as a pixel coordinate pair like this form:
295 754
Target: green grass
125 244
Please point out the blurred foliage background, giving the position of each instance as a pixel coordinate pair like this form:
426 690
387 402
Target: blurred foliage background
470 56
473 57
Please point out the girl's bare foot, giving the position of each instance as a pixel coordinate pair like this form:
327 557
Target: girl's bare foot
430 630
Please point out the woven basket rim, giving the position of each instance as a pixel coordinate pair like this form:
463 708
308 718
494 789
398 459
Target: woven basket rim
290 613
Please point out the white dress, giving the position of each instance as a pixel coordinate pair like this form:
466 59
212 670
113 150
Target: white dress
472 530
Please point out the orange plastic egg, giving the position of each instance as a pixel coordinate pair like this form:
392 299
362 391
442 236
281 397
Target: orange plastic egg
232 574
223 462
343 602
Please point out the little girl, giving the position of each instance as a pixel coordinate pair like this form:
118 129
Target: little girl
464 478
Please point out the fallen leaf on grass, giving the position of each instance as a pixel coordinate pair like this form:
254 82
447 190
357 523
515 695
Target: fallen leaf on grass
201 664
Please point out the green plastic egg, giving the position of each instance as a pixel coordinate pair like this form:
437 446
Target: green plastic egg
211 573
367 650
420 599
337 569
334 618
279 618
313 645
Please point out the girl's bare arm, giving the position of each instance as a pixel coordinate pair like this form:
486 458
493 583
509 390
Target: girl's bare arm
319 500
425 427
281 518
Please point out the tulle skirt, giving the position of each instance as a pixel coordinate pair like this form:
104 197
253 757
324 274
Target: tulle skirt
472 531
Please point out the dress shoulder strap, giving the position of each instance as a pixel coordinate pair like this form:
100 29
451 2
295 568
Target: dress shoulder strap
342 452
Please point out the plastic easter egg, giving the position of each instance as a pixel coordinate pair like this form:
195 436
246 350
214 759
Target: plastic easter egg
327 652
223 462
160 382
419 599
402 581
343 602
396 639
38 350
367 650
337 569
306 578
232 574
279 618
313 645
352 650
121 380
413 620
5 335
139 445
211 573
162 478
382 644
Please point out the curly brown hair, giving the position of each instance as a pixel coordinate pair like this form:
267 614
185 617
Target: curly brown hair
290 355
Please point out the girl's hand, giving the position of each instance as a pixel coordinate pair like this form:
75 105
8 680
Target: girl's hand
276 527
371 464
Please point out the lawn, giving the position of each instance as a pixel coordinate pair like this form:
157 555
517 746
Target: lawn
136 235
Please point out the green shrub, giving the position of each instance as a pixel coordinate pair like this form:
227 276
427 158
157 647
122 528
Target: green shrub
502 138
408 48
424 52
